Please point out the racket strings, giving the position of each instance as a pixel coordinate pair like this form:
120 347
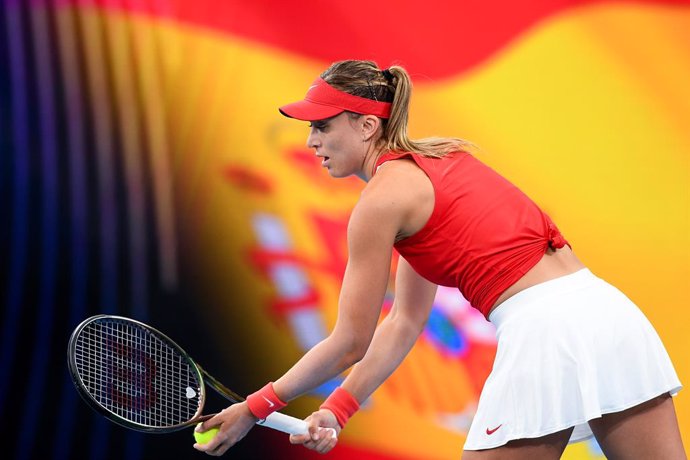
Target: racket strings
135 375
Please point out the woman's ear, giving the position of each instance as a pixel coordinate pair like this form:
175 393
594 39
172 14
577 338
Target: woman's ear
370 124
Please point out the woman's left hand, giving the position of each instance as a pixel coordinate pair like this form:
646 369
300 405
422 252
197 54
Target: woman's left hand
323 432
234 423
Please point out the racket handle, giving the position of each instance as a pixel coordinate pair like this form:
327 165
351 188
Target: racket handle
284 423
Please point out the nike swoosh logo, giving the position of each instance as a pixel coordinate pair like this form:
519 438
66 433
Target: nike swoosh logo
271 404
490 432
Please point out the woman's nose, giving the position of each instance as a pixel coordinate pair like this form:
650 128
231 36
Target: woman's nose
312 141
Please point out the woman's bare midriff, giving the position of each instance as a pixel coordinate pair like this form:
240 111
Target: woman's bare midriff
554 264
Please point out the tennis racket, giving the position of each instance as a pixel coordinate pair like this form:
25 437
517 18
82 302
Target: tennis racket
139 378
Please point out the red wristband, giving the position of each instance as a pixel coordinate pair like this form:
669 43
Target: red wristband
264 402
342 404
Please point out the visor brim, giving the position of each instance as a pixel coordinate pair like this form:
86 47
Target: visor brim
309 111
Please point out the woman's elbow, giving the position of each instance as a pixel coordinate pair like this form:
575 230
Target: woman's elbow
355 355
353 349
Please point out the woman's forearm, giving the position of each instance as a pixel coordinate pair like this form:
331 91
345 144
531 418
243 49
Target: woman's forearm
326 360
392 341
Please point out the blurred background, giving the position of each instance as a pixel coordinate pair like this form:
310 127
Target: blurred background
145 171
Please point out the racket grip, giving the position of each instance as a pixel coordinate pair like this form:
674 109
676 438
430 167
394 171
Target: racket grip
284 423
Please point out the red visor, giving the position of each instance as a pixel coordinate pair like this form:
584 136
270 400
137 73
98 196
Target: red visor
323 101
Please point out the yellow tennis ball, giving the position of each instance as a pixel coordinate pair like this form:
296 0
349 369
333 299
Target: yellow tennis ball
205 436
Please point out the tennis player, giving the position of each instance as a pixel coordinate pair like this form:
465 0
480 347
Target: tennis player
575 356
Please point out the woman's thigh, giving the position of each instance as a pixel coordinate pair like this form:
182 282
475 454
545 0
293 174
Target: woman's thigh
549 447
646 431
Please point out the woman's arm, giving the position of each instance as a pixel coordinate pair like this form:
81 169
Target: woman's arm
397 333
372 229
398 200
371 233
392 341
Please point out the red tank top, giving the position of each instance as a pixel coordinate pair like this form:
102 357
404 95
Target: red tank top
483 235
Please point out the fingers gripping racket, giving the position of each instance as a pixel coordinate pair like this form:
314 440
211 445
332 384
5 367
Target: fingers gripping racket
139 378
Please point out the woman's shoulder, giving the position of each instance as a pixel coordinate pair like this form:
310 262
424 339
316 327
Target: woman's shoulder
402 182
420 158
393 167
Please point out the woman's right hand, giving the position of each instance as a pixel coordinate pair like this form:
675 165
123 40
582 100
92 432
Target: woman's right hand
323 432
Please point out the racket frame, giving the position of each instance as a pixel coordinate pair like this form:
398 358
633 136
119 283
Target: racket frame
94 404
276 420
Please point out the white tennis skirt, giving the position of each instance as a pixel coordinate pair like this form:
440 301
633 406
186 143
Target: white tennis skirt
569 350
